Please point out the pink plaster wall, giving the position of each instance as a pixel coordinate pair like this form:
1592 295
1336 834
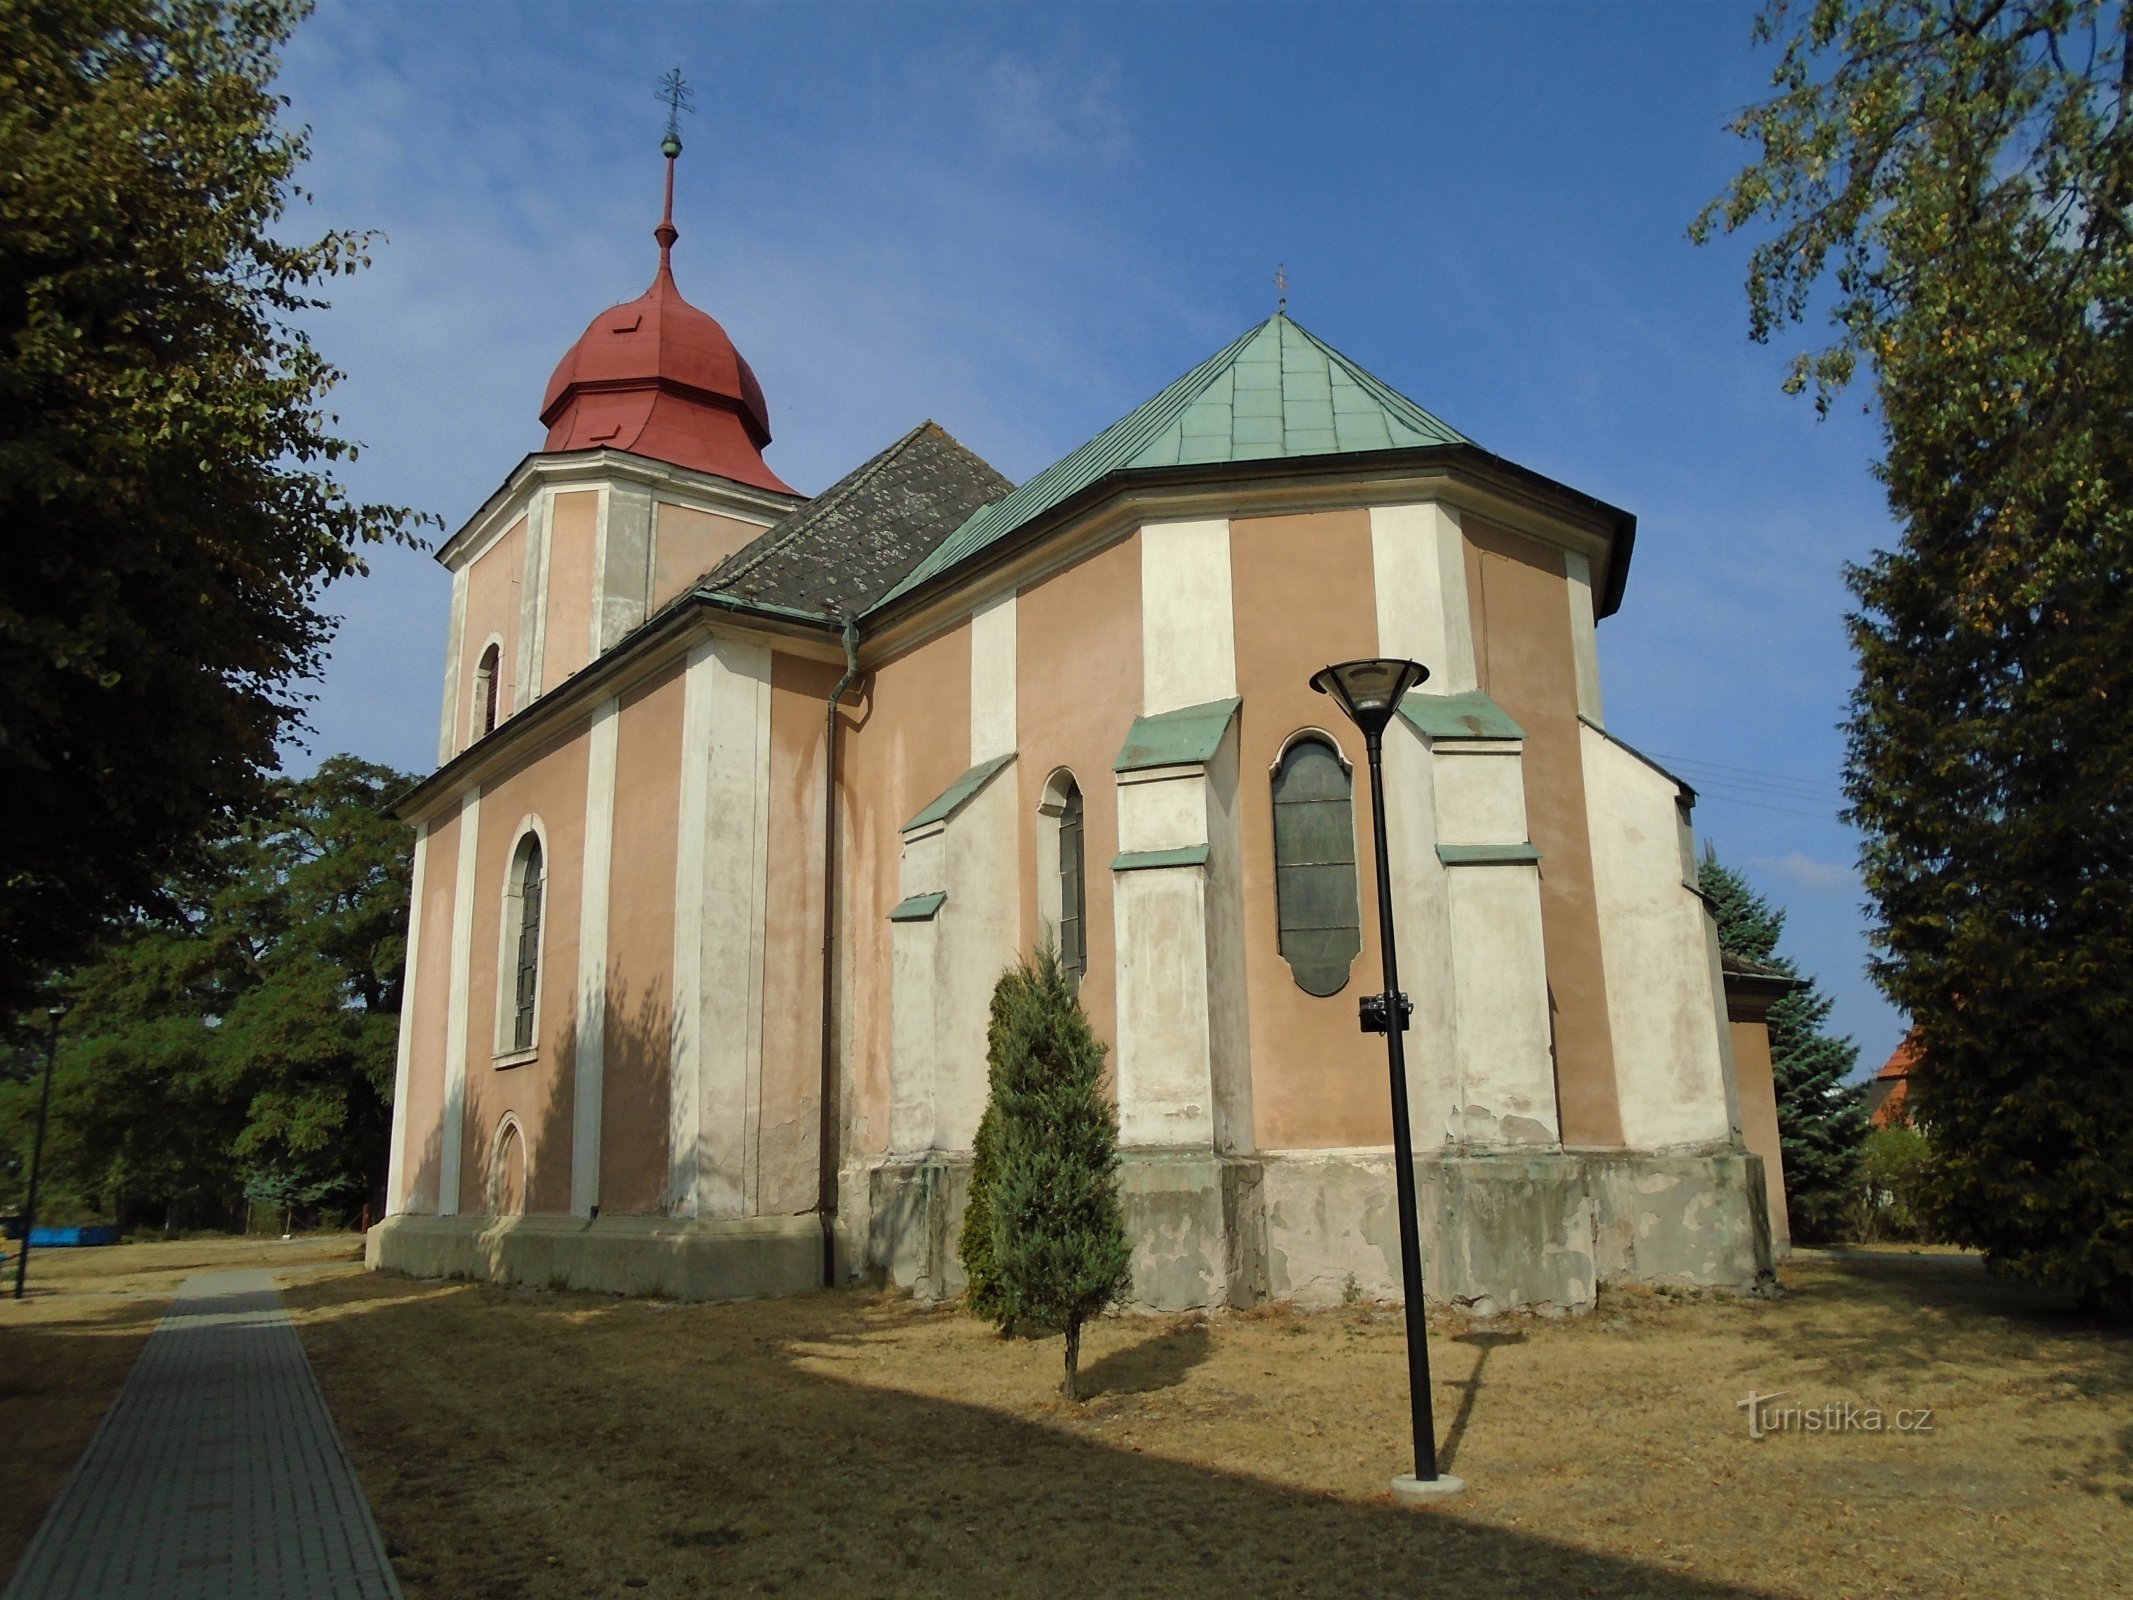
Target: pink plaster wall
687 544
492 610
422 1127
548 784
640 948
573 532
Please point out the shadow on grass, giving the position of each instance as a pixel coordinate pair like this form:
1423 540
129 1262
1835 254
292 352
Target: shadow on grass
1160 1362
551 1445
1484 1340
1945 1315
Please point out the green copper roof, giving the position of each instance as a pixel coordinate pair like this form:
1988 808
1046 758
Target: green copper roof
1279 391
1472 715
953 798
1176 738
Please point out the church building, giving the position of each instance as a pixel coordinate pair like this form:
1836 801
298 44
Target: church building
745 799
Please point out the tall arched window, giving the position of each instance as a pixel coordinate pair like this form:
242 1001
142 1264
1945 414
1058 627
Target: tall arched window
1073 897
1062 871
526 882
485 677
1314 866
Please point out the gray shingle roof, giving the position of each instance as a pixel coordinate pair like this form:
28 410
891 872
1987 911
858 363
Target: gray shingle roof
855 541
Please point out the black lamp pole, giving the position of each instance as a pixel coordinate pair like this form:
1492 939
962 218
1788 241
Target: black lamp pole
1370 693
44 1106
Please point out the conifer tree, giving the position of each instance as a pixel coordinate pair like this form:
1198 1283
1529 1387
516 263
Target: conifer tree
1821 1118
1059 1244
982 1292
1952 182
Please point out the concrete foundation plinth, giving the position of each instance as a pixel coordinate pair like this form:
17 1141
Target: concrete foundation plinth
674 1257
1502 1230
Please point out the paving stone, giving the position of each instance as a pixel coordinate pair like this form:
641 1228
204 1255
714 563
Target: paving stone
216 1474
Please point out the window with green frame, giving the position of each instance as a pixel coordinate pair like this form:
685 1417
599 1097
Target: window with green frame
1314 867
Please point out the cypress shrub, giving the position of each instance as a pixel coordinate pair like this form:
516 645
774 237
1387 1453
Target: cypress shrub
1058 1244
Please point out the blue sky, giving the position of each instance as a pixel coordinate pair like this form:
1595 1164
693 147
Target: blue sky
1022 221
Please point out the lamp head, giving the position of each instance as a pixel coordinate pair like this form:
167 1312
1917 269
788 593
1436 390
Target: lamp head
1370 692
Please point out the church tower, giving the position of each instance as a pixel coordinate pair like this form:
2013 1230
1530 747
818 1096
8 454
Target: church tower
651 474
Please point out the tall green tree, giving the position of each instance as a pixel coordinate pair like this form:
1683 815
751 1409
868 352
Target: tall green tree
241 1040
1821 1117
1058 1253
1953 181
166 468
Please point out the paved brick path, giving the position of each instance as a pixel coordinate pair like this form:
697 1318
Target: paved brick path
217 1473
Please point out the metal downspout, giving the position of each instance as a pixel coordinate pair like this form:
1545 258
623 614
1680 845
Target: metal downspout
826 1181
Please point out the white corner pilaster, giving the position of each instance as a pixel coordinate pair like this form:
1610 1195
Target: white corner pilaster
1421 897
1504 1048
1184 1051
623 573
685 1072
533 598
1418 561
914 978
396 1158
720 885
453 1134
1188 625
1584 639
449 725
590 1057
992 679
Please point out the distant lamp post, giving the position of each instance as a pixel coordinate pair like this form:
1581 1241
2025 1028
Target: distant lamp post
44 1106
1370 693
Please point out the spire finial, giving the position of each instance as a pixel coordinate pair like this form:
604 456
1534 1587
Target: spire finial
1281 284
674 90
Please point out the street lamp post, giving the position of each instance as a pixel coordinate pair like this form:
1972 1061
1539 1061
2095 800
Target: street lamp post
1370 693
44 1106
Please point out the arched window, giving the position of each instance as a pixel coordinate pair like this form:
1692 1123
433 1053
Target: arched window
507 1170
1073 899
1314 866
485 677
526 885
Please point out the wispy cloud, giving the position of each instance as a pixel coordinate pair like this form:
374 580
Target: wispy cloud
1021 107
1804 872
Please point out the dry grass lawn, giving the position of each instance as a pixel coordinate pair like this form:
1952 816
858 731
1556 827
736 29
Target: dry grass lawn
66 1347
542 1444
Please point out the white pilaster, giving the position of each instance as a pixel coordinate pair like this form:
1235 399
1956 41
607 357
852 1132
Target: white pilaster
1504 1045
726 708
396 1158
448 734
1584 641
1188 627
992 679
914 955
684 1079
1418 561
1422 913
533 598
589 1073
457 1021
1184 1061
623 575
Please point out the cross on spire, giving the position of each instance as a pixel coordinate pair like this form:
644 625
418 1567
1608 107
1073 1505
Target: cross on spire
675 91
1281 283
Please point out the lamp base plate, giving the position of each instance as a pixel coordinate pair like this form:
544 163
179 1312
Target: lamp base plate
1421 1491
